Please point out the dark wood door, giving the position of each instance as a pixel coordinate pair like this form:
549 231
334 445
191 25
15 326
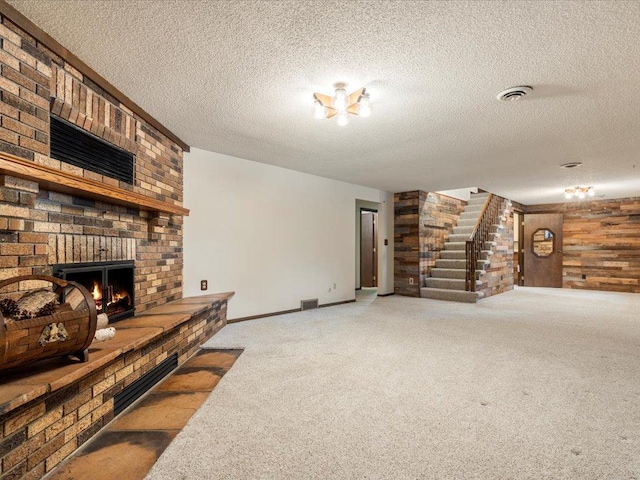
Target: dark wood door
543 250
368 254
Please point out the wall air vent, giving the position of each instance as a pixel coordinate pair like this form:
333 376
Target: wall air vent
514 93
309 304
138 388
78 147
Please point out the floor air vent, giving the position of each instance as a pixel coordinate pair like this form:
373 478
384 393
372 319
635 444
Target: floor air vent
138 388
308 304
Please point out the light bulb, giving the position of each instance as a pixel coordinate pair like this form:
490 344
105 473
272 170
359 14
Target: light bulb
364 106
581 194
340 100
568 193
343 119
591 192
319 110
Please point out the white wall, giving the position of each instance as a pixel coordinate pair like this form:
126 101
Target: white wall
274 236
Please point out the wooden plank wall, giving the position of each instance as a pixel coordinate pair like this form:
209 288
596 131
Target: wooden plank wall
406 260
438 215
499 277
601 246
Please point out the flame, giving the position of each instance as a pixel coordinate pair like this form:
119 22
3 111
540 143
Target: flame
122 294
96 293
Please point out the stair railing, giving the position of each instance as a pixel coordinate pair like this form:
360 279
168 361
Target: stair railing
473 248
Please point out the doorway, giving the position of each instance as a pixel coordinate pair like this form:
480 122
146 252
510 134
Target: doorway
518 247
543 250
368 248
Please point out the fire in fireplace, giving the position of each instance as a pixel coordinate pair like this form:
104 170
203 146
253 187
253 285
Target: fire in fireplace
110 284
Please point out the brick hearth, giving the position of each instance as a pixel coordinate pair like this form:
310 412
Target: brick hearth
49 409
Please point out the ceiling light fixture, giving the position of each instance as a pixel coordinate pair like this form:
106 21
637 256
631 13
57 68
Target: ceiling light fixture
342 105
579 192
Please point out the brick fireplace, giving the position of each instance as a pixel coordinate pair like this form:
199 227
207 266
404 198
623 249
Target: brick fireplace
58 216
110 283
43 224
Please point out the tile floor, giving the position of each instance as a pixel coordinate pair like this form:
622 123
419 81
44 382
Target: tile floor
130 445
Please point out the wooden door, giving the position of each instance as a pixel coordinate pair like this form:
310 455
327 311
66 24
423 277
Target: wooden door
368 254
543 250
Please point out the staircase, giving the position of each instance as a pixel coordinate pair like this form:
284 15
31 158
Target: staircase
447 280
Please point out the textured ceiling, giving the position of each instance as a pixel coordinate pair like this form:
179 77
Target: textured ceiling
237 77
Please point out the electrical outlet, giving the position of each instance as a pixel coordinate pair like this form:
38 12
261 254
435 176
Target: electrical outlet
410 281
204 284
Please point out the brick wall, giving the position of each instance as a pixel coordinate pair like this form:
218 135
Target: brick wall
39 435
35 82
601 241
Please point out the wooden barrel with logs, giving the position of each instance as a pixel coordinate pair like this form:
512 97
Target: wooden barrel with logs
55 321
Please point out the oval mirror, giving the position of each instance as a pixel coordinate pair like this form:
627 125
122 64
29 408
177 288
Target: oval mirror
543 242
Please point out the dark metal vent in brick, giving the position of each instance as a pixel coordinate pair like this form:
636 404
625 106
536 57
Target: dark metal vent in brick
308 304
138 388
78 147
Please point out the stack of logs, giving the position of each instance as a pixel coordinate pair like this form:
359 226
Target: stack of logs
46 323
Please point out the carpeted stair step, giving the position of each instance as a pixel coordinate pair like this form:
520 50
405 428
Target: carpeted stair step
459 237
453 254
469 215
473 207
453 273
460 264
477 201
468 229
447 283
461 254
455 245
450 295
467 222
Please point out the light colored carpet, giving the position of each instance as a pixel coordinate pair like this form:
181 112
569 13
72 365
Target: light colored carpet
534 383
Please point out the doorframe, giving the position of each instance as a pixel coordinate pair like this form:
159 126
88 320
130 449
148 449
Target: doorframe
520 245
375 245
558 243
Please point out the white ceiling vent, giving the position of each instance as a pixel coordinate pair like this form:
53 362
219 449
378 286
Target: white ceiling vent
513 93
571 165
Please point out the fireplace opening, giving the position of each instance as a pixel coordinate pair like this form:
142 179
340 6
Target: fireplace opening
110 284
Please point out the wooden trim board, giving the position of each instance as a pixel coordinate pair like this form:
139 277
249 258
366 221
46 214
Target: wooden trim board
336 303
263 315
63 182
285 312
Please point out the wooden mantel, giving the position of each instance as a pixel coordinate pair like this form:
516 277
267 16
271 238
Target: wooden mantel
63 182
